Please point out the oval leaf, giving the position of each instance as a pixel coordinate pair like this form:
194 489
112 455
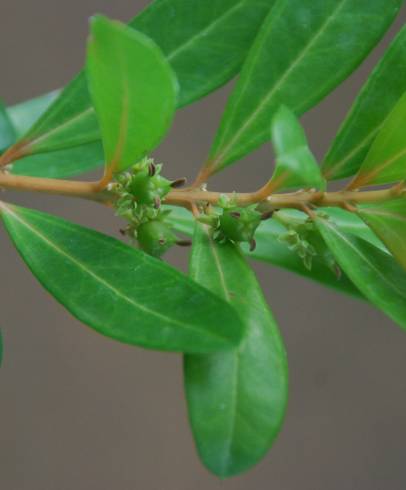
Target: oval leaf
236 399
305 48
376 100
388 220
295 163
197 38
386 160
133 90
374 272
119 291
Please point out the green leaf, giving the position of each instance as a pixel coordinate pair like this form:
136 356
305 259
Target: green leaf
196 38
305 48
386 159
133 90
60 164
295 163
269 249
119 291
376 100
7 132
374 272
205 42
388 220
25 114
60 127
236 399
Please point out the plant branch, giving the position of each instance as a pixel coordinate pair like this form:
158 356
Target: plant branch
97 191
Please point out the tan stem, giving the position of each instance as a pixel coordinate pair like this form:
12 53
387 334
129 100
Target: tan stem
95 191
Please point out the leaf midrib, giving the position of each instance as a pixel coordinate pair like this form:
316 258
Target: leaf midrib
275 88
365 259
235 383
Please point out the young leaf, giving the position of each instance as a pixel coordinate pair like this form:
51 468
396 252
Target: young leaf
388 220
25 114
7 132
376 100
196 37
386 160
119 291
133 89
374 272
305 48
295 163
236 399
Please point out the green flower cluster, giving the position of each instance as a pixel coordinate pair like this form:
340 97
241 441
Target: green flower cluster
303 238
140 194
232 222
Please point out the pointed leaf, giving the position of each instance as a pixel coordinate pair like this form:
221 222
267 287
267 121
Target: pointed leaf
374 272
205 43
388 220
305 48
7 132
295 163
386 160
133 90
376 100
236 399
119 291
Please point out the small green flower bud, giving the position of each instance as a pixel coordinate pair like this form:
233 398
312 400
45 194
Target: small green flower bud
239 224
155 237
148 187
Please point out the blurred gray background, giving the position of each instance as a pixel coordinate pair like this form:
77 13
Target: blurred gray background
81 412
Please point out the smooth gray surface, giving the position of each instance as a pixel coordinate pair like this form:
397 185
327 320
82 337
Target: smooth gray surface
80 412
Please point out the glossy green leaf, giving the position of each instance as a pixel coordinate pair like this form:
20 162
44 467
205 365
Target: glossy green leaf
388 220
133 89
205 42
118 290
376 100
25 114
305 48
236 399
386 159
376 273
7 132
296 165
269 249
196 38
